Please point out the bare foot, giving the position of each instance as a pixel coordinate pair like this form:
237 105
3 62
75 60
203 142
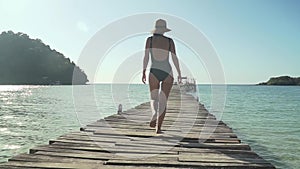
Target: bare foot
152 123
159 132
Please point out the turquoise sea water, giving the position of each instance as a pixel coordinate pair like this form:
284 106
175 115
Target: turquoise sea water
266 117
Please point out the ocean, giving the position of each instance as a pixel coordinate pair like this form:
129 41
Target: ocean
265 117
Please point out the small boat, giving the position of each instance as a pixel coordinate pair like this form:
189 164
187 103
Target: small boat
187 84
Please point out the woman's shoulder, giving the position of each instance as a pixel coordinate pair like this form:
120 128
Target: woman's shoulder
168 38
150 37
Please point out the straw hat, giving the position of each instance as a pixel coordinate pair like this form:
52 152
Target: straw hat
160 27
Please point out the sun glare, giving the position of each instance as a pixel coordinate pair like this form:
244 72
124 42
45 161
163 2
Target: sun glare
4 88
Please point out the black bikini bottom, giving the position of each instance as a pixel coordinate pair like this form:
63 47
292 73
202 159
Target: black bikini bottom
159 74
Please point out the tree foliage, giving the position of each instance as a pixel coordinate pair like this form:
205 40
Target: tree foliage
29 61
282 80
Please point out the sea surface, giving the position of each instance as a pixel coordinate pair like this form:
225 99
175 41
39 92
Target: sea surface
265 117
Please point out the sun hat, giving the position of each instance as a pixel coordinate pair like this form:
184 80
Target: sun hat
160 27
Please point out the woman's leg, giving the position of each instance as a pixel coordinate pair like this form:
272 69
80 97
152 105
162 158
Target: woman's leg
166 86
154 88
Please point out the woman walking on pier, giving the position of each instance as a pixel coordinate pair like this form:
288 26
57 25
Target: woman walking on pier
161 75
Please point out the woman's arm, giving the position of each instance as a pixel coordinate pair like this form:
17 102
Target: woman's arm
175 59
146 60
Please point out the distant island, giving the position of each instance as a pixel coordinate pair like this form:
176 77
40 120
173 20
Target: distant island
26 61
282 80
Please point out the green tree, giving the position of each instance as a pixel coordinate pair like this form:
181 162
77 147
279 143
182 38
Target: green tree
30 61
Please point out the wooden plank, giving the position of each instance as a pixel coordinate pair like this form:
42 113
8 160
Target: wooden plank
207 150
188 164
103 144
15 167
145 126
45 158
217 146
51 165
146 133
61 147
219 157
144 157
99 156
100 138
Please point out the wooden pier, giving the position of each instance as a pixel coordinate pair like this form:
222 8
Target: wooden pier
192 138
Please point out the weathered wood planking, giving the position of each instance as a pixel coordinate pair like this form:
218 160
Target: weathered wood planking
192 138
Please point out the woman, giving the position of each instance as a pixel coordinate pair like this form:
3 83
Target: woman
161 75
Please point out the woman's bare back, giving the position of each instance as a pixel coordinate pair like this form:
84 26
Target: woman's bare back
160 47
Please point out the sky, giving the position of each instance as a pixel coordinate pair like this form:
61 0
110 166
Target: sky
254 40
